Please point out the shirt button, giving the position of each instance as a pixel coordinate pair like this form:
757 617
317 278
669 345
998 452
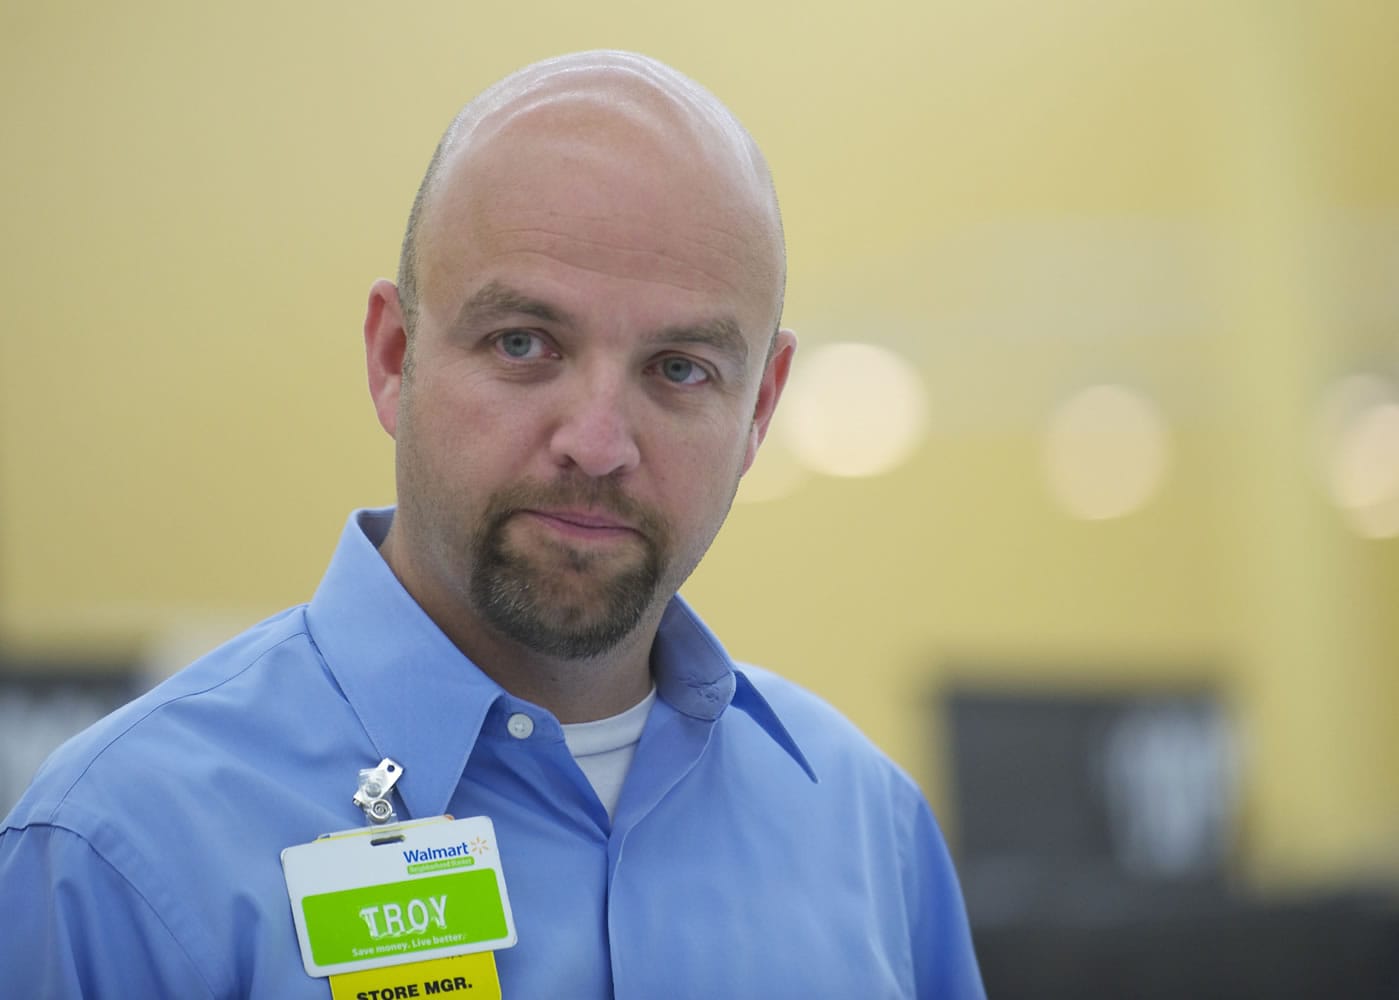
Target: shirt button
520 726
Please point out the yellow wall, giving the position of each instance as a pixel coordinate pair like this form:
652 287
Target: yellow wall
1201 200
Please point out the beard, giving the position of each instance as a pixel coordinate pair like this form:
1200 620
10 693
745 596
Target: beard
559 600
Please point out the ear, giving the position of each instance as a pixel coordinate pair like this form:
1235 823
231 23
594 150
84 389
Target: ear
385 347
770 391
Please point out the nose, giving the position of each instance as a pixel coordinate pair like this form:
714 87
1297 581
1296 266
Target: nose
595 432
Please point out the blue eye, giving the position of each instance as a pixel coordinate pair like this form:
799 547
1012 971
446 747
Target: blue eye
682 371
517 343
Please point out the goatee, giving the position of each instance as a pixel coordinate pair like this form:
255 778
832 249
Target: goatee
584 606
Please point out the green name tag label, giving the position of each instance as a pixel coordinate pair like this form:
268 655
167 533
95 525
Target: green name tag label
410 892
402 919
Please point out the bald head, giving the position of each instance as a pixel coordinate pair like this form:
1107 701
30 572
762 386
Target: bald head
596 116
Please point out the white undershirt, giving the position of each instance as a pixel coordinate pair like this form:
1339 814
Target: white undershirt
604 749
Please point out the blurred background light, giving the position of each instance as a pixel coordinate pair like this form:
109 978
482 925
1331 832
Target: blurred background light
1360 453
1105 452
853 409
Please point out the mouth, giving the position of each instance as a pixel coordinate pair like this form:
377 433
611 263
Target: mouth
581 524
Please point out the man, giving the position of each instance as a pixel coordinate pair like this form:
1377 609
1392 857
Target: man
579 361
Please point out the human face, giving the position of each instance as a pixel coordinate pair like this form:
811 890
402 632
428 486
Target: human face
590 376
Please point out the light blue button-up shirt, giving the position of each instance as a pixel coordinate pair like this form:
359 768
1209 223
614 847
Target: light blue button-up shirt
762 847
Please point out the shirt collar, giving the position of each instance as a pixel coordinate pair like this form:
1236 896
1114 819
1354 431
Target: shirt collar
419 699
411 687
697 677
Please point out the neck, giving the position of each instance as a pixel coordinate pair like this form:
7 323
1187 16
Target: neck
581 690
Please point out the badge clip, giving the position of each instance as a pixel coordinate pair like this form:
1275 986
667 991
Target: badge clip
375 783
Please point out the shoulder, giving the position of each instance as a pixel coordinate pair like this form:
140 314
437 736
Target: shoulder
836 748
881 818
121 821
792 701
133 746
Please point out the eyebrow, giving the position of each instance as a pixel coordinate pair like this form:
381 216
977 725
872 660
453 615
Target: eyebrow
496 299
721 334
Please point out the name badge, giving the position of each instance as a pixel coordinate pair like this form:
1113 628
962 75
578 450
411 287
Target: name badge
410 892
